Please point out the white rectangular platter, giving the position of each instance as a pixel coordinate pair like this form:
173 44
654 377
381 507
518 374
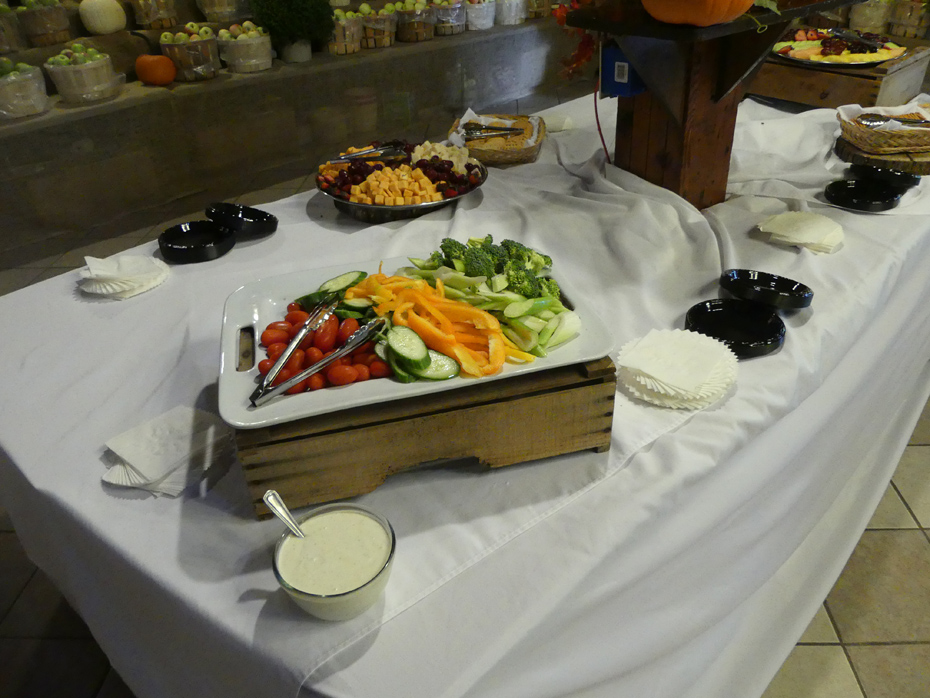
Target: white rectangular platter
264 301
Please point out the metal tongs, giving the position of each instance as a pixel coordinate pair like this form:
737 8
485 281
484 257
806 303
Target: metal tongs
474 131
385 151
318 315
355 340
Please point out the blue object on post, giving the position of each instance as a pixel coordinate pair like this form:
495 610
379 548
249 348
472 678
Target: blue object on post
618 77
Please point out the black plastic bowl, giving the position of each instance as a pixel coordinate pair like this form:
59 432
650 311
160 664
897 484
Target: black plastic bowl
895 178
196 241
863 195
245 221
772 290
747 328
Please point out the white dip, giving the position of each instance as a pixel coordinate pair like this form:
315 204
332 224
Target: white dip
342 551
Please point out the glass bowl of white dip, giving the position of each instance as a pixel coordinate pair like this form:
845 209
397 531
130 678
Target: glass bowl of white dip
341 566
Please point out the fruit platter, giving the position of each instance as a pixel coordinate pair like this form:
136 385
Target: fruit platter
837 47
396 180
324 340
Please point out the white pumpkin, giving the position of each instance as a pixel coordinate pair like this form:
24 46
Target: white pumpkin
102 16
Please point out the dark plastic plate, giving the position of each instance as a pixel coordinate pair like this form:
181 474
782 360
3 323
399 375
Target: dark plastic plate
196 241
862 195
895 178
772 290
749 329
245 221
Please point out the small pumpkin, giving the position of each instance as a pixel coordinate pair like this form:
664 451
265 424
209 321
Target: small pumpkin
700 13
155 70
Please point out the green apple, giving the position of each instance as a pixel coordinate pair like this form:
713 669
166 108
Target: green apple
420 6
224 35
261 30
389 8
181 38
254 34
78 48
22 67
364 9
192 27
80 59
339 14
242 37
205 33
6 66
166 38
4 9
248 26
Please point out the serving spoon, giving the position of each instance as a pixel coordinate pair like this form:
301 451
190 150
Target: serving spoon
879 119
279 509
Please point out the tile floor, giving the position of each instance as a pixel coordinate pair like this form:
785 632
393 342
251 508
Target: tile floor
870 639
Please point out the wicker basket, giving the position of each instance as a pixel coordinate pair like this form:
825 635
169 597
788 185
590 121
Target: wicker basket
155 14
46 26
195 60
347 37
870 140
538 8
507 151
246 55
450 19
379 31
88 82
416 25
11 35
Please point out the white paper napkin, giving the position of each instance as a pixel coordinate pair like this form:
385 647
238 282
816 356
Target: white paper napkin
122 276
170 452
804 229
457 137
850 112
679 369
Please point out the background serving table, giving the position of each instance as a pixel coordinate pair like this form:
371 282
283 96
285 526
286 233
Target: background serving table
668 566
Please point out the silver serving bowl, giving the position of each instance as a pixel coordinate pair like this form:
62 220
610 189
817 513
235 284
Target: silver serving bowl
375 213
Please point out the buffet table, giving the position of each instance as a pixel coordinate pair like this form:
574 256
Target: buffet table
683 563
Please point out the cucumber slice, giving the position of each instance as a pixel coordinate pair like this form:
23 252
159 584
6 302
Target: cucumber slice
400 373
525 340
410 349
441 367
311 299
381 350
359 304
342 282
531 306
342 314
534 323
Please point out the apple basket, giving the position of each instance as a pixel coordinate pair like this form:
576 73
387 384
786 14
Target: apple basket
45 26
11 38
379 31
538 8
347 36
155 14
416 25
23 94
88 82
221 11
480 15
510 12
246 55
450 19
194 60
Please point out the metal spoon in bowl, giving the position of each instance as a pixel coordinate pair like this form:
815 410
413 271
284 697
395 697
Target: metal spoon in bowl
871 120
279 509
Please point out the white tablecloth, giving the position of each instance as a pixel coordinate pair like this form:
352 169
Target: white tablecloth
683 563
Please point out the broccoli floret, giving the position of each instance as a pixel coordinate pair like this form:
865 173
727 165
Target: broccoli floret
549 287
527 256
480 242
452 251
434 262
498 254
478 262
521 280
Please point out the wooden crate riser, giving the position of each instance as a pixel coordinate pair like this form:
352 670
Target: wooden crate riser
343 455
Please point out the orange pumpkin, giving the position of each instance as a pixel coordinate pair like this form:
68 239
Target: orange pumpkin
700 13
155 70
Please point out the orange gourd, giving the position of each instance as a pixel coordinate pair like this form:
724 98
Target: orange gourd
155 70
700 13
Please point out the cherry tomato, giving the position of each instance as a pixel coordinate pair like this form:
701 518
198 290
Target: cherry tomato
307 342
366 348
279 325
296 361
346 328
311 356
341 375
270 337
325 337
364 359
363 373
275 350
297 387
291 307
316 381
282 376
379 369
265 365
297 317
